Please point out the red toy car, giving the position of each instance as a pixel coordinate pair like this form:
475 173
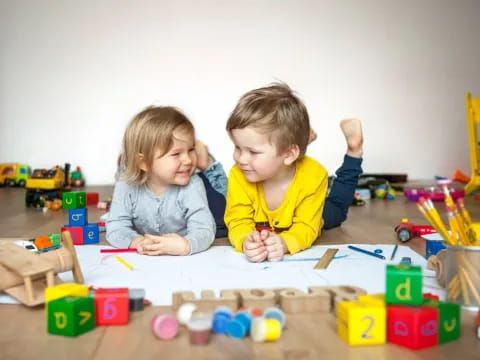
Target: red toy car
434 193
407 230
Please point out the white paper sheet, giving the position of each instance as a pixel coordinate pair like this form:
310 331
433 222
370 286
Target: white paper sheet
221 267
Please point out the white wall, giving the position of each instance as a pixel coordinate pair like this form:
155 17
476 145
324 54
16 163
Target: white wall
72 73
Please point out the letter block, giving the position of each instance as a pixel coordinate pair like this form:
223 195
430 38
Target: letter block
361 323
76 232
77 217
91 234
449 324
65 289
415 327
74 200
70 315
112 305
404 284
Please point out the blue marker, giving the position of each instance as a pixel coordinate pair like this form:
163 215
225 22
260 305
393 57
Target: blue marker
366 252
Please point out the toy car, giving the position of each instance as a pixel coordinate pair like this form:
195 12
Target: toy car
407 230
434 193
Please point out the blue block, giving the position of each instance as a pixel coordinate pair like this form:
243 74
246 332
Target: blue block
91 234
432 247
77 217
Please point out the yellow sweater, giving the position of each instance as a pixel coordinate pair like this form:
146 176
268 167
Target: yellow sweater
300 212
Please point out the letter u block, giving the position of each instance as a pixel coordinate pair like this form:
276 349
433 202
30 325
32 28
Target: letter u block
404 284
65 289
70 315
112 306
74 200
414 327
77 217
361 323
448 322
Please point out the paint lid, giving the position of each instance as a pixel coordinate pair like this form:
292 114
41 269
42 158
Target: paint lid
164 326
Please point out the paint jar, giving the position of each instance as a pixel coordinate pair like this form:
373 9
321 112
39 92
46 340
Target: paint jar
432 247
164 326
265 329
199 328
462 275
221 316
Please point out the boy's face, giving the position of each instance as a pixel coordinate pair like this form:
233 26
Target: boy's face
177 165
255 155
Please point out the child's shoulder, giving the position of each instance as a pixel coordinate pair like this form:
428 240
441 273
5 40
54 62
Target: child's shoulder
310 165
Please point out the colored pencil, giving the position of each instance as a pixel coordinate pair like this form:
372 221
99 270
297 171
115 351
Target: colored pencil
394 252
118 250
366 252
124 262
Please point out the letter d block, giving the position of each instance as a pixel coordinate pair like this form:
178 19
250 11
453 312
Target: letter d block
414 327
74 200
70 315
112 306
404 284
449 322
361 323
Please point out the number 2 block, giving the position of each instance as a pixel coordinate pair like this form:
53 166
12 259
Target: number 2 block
361 323
112 306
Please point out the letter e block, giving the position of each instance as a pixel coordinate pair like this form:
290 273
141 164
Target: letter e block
112 306
404 284
91 234
70 315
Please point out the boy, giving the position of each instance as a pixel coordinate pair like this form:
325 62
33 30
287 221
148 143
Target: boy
276 194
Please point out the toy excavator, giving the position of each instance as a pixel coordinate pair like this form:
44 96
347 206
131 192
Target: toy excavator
24 275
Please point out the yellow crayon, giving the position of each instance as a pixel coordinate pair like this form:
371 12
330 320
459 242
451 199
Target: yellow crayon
124 262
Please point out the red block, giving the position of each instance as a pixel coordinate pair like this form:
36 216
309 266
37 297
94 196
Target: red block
111 306
92 198
415 327
76 232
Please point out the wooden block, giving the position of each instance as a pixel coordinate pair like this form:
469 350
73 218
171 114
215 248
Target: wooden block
65 289
91 234
325 259
70 316
111 306
74 200
404 285
208 300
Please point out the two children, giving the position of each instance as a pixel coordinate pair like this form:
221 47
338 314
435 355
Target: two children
161 208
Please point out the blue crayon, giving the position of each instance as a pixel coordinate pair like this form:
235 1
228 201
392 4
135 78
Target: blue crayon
366 252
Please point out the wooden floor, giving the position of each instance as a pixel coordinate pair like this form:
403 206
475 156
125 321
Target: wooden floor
23 332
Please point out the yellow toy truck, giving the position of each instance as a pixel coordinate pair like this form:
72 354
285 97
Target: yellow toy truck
14 174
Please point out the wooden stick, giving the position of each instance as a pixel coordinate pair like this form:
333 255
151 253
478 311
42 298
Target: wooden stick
326 259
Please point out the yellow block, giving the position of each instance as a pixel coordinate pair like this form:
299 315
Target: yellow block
377 299
362 323
65 289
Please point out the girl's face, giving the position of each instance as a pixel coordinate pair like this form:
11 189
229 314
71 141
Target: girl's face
176 166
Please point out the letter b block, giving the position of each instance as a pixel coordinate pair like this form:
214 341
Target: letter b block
404 284
70 315
415 327
74 200
112 306
361 323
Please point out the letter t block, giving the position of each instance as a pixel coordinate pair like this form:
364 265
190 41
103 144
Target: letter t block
404 285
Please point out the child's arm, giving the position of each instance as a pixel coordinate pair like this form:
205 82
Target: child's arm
119 226
239 212
307 220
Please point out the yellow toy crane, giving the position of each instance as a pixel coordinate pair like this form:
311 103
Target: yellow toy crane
46 185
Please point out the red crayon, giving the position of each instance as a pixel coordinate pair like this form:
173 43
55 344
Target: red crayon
118 250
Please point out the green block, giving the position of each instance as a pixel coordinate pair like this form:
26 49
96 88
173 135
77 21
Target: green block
74 200
70 315
404 284
55 238
449 323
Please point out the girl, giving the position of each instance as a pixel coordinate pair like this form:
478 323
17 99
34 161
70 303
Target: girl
159 205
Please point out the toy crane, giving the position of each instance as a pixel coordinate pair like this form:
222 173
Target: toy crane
25 275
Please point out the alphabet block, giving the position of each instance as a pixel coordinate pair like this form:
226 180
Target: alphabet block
77 217
92 198
404 284
65 289
111 306
449 322
361 323
74 200
91 234
415 327
76 232
70 316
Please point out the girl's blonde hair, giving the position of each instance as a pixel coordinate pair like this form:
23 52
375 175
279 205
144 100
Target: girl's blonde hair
149 131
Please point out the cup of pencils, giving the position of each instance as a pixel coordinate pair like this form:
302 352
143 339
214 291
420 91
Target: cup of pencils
462 239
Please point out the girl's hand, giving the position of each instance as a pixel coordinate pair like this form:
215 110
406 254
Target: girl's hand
166 244
276 247
253 247
138 242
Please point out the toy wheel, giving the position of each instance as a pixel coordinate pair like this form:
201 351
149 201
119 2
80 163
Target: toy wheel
21 183
404 235
10 182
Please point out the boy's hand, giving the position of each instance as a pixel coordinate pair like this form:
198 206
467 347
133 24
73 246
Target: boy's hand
166 244
138 242
253 246
276 247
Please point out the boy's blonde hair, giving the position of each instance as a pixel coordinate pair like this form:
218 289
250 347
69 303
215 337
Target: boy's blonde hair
150 130
274 110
